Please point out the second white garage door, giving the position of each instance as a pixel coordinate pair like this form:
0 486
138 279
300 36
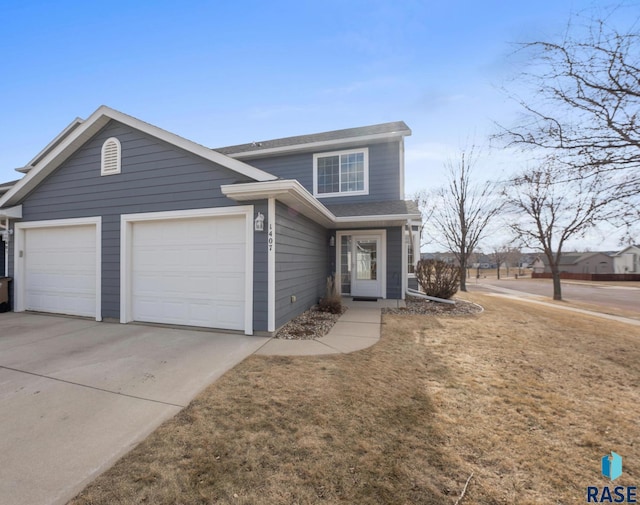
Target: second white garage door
189 271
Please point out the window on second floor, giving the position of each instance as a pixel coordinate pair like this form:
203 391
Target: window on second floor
341 173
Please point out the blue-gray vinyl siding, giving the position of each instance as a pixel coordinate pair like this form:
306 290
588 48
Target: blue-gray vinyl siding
394 263
2 256
301 263
413 283
156 176
384 172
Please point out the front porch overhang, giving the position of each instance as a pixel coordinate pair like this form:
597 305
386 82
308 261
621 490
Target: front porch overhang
292 193
11 212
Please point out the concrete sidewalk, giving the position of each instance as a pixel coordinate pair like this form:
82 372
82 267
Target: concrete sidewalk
358 328
539 300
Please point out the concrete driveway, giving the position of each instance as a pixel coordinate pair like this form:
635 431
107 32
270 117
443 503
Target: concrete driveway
75 395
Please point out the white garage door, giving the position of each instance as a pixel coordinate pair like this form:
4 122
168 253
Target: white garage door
189 271
60 270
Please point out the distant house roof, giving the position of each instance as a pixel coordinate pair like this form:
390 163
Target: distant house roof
573 258
317 140
629 247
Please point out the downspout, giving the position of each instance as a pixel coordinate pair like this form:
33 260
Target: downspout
417 294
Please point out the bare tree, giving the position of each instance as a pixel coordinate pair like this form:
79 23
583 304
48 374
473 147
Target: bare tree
504 254
460 210
512 257
586 106
547 210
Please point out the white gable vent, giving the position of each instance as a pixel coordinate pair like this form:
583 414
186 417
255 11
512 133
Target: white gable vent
110 157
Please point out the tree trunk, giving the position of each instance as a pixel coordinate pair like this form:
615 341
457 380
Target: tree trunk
557 288
463 276
498 271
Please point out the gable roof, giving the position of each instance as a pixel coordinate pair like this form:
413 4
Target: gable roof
79 132
334 138
631 247
6 186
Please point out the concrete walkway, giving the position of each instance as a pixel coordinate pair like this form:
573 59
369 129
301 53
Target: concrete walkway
358 328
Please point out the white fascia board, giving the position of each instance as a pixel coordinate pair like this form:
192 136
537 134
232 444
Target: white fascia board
74 124
311 146
12 212
288 191
83 132
188 145
387 217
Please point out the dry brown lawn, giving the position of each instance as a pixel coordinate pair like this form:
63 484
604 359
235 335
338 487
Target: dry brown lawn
526 397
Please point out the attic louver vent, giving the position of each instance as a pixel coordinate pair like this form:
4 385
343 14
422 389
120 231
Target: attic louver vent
110 157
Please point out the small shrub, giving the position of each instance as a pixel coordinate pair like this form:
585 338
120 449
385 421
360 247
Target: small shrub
438 278
332 302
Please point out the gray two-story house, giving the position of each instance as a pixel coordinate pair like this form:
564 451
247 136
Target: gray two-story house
119 219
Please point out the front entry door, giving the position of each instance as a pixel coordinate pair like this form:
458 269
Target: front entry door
366 278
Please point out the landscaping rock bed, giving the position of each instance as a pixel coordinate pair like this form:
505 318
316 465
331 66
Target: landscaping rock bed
309 325
315 324
417 305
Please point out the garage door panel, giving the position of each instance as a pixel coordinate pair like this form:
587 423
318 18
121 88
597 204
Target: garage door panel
60 270
189 271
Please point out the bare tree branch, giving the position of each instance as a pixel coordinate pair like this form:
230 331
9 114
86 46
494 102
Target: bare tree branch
460 211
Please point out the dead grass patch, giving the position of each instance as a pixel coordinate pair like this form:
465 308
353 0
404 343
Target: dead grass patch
527 398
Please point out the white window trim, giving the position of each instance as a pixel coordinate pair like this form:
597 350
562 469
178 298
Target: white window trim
382 234
19 260
126 241
118 161
411 239
365 191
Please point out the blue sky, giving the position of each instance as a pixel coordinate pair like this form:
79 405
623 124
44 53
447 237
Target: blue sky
222 73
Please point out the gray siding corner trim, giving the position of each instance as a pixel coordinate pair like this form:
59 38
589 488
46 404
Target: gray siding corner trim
301 263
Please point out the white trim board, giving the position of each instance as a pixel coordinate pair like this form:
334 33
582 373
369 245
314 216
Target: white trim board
19 259
126 241
383 254
48 161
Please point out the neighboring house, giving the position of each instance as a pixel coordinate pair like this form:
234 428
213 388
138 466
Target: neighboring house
627 261
4 227
583 263
119 219
538 266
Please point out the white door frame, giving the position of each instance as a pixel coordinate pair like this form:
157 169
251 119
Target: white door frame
20 229
126 242
382 256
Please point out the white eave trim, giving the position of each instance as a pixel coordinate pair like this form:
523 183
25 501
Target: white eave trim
365 219
288 191
12 212
75 139
312 146
293 194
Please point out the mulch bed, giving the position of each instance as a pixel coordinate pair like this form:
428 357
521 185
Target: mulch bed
315 324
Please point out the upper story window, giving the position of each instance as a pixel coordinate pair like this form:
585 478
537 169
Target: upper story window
111 154
341 173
